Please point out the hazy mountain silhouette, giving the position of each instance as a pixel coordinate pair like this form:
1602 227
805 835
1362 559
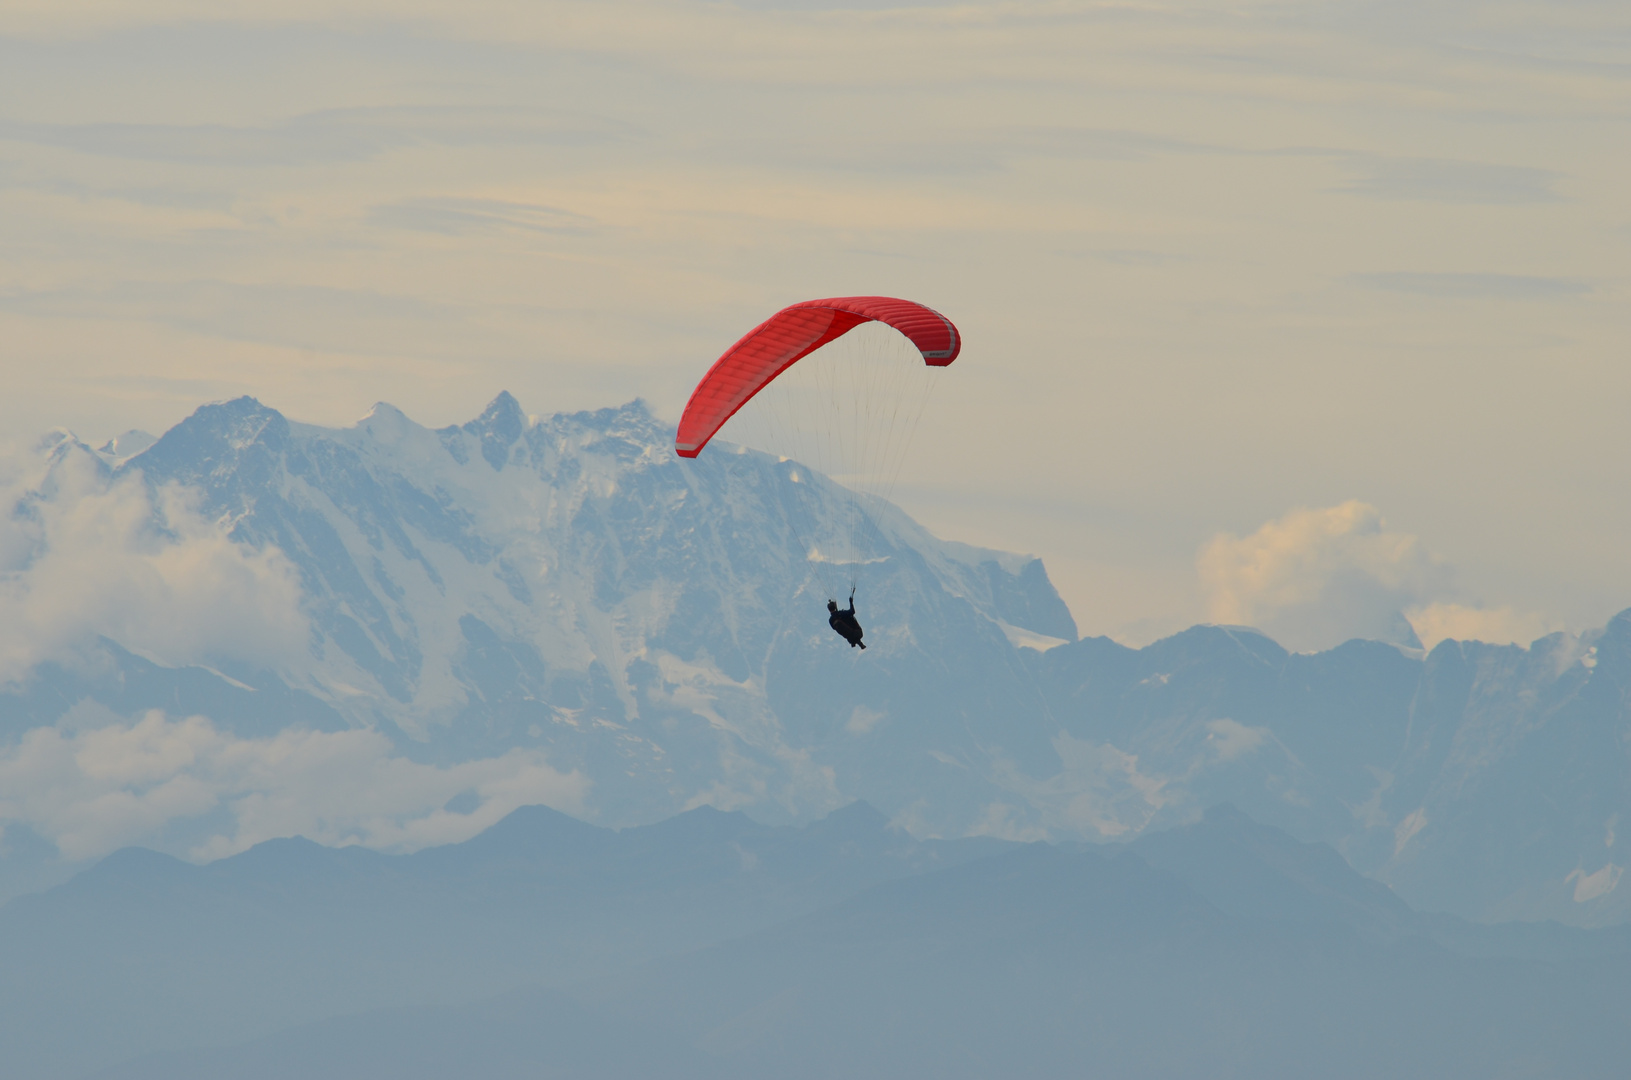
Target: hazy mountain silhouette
145 950
1279 961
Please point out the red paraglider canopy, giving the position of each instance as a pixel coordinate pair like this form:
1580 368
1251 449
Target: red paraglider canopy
792 334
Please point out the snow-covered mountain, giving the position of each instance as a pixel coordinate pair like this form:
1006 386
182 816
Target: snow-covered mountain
391 635
570 588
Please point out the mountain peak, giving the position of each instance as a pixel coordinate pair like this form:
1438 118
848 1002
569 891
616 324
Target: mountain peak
387 425
243 407
130 864
535 830
504 408
500 425
700 824
56 442
385 411
635 409
219 437
1289 879
860 818
1228 814
1213 640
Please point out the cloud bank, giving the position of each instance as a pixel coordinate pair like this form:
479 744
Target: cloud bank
95 790
84 556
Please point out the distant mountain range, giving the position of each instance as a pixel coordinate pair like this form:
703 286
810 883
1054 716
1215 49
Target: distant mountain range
1487 780
653 629
709 945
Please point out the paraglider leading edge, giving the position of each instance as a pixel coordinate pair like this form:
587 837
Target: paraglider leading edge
792 334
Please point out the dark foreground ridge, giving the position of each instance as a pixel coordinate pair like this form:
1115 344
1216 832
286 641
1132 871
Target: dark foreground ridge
710 945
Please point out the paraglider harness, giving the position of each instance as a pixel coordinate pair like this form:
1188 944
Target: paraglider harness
844 621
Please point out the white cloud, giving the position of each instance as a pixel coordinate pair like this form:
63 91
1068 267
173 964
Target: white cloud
82 555
1413 823
1229 739
1315 578
1438 621
108 786
1005 823
862 720
1591 886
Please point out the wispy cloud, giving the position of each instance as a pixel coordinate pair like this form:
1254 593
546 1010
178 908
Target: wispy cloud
359 321
462 216
1475 286
1441 180
330 136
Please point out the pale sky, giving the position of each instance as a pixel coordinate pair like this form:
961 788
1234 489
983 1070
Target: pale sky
1259 300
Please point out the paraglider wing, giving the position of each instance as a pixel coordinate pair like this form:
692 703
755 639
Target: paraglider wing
792 334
